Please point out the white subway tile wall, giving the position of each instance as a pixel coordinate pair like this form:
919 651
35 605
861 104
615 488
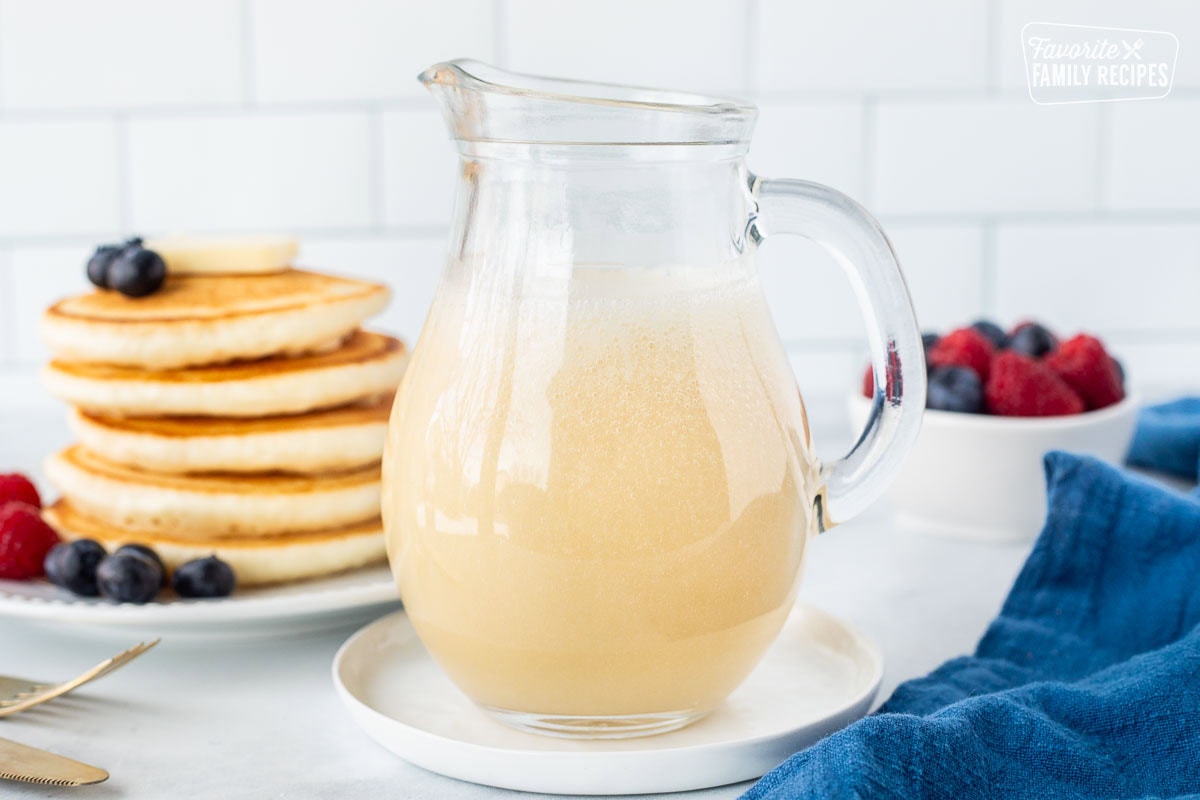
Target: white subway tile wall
981 157
419 169
39 278
58 178
305 116
820 142
236 171
1117 277
871 45
72 54
679 44
359 50
1140 177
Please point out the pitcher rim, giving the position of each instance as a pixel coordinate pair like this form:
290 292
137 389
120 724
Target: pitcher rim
609 107
479 76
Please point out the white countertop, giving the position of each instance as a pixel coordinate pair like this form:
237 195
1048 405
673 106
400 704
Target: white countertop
262 721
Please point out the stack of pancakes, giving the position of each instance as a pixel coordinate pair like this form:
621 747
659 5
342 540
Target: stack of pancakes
242 415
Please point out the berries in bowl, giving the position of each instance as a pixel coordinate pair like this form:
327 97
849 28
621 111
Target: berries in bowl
997 401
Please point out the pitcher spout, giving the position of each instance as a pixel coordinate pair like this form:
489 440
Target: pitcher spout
482 103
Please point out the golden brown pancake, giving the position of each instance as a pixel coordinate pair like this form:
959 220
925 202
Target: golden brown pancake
209 319
216 504
367 365
254 561
335 439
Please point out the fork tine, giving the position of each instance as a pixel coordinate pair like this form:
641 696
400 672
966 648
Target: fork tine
101 669
125 655
116 662
11 687
121 659
21 697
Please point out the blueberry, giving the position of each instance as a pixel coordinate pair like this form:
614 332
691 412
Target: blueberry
72 565
955 389
1120 371
993 332
145 552
136 271
98 265
1032 340
129 577
53 564
204 577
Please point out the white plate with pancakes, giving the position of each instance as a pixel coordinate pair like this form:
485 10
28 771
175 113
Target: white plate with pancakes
820 675
238 410
254 614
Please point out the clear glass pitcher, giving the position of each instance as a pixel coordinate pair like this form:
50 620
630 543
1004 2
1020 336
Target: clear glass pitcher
599 484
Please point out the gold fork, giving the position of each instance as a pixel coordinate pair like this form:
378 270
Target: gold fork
19 695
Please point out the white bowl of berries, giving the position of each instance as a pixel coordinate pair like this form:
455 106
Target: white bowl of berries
998 401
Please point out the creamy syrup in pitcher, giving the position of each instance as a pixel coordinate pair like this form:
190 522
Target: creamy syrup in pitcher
610 494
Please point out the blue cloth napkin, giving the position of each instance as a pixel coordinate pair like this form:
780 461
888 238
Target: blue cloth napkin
1086 686
1168 438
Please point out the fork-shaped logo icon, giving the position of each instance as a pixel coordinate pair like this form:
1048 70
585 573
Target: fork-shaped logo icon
1132 49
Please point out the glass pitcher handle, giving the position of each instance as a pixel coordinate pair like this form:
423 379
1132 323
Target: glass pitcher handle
858 244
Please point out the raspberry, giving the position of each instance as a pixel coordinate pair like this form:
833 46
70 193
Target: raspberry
25 539
965 347
1085 366
1022 387
16 486
868 382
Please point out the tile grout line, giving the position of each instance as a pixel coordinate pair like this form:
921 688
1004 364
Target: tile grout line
124 166
1103 144
1 65
750 60
375 164
500 32
987 268
259 108
1154 336
1149 216
869 133
992 46
8 321
248 66
929 94
356 232
824 346
1181 218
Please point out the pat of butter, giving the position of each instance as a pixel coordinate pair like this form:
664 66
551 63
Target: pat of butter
228 255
